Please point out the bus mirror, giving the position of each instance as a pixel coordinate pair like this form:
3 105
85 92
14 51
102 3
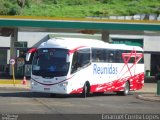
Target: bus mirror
28 55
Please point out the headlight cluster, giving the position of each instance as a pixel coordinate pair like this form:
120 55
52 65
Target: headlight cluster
34 83
63 84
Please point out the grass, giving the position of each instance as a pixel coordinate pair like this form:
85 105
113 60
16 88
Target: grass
87 8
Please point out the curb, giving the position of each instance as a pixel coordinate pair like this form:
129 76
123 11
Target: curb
10 81
15 87
141 97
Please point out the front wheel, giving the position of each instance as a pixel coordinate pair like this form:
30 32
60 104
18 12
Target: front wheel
86 90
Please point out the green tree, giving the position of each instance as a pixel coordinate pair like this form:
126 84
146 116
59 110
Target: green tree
22 4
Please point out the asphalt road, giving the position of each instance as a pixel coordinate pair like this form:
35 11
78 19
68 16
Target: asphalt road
22 101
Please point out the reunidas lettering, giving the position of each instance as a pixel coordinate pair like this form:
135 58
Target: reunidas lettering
108 69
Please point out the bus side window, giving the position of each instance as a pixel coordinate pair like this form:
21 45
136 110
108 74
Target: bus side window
131 59
74 62
105 55
98 55
84 57
93 55
81 58
142 59
111 56
118 56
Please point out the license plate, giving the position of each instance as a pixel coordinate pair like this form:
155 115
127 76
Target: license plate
46 89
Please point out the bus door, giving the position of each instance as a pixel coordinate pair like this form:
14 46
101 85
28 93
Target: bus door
80 66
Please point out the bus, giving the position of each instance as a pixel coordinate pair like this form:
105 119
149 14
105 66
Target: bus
84 66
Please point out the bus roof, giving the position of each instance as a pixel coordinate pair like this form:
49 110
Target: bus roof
72 43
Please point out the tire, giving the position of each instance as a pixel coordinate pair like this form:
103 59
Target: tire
86 90
126 90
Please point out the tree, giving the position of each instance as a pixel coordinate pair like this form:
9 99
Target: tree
23 3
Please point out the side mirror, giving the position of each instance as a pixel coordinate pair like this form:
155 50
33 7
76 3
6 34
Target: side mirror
29 53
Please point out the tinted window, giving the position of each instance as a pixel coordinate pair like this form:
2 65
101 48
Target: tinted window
50 63
103 55
133 58
98 55
81 58
113 56
118 56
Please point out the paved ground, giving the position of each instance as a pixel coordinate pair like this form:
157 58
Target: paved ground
149 91
18 100
21 100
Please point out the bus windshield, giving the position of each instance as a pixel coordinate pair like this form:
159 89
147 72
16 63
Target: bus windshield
50 62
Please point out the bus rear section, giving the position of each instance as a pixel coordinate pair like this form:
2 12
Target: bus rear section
116 70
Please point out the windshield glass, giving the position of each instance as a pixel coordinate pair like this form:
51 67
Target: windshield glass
50 62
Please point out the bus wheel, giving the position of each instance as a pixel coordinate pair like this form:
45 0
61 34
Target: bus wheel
126 89
86 90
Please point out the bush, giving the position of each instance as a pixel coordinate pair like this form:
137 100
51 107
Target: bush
3 9
80 8
78 2
108 1
14 11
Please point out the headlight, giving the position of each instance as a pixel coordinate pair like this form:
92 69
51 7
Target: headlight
63 84
34 83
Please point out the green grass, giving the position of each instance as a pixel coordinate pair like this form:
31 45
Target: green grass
83 8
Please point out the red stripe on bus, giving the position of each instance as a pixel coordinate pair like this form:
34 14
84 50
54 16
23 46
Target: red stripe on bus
75 49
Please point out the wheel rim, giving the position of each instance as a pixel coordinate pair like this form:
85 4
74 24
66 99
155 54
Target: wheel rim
126 89
85 90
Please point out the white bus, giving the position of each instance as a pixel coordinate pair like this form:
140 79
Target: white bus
83 66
